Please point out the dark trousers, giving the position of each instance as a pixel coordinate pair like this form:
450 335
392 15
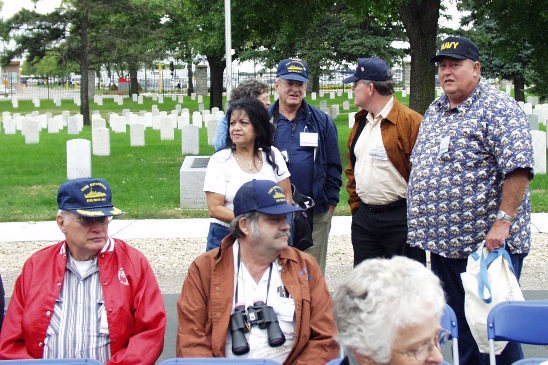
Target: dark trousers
382 233
449 270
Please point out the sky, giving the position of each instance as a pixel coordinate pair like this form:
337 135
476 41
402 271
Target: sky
13 6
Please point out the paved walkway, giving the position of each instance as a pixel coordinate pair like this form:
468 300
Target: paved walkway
169 228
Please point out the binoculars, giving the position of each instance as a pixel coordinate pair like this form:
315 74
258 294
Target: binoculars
258 314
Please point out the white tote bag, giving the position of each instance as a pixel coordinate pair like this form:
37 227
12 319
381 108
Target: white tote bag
489 279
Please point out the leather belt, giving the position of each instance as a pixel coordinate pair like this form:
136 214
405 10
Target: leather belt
386 207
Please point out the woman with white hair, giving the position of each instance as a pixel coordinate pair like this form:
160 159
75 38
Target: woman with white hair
388 312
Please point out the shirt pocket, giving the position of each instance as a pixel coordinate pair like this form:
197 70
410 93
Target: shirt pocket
102 320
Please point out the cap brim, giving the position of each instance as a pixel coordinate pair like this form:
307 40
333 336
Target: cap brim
436 58
97 212
279 209
350 79
294 77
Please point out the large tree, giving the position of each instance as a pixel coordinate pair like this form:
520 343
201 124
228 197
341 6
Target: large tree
512 42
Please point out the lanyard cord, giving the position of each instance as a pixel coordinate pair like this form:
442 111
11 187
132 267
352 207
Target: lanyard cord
238 279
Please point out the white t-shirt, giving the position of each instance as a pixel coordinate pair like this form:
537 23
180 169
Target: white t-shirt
278 298
224 176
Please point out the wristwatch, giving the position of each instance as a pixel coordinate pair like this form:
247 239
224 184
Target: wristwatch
505 216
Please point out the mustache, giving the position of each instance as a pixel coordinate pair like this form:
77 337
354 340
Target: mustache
283 233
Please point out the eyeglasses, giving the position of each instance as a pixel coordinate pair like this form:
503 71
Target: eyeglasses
291 83
425 350
365 82
89 222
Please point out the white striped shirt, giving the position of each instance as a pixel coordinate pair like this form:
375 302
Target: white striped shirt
79 327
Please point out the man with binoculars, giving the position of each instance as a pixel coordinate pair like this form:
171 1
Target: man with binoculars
255 296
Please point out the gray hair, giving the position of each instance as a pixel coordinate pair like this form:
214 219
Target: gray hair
378 298
252 217
250 88
385 88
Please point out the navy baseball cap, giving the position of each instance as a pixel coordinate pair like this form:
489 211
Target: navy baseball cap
456 47
87 197
373 69
293 69
262 196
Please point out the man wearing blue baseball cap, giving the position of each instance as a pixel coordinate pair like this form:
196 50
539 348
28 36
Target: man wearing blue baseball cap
469 183
255 296
379 147
307 138
90 296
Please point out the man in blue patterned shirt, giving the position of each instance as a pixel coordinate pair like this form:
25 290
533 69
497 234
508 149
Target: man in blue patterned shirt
471 168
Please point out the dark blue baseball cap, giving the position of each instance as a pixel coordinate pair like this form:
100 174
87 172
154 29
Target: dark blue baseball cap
373 69
87 197
262 196
456 47
293 69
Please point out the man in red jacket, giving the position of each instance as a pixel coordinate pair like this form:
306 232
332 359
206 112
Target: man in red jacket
89 296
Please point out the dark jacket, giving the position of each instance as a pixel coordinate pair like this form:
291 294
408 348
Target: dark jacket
327 165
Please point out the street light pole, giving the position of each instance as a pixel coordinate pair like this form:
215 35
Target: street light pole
228 46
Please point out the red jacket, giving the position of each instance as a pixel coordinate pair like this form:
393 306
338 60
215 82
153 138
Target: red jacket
205 304
136 313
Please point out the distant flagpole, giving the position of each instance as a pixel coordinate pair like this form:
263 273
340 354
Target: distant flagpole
228 43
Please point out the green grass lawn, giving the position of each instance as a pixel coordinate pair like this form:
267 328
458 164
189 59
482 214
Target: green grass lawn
145 180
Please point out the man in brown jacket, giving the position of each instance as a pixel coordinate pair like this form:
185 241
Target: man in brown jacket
379 147
254 296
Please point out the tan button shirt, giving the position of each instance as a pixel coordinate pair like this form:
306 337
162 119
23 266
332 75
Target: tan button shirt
377 180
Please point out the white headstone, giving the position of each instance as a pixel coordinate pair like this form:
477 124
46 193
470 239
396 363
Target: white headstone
54 125
211 123
154 96
137 135
528 108
36 102
15 103
190 140
346 105
160 99
197 119
313 95
351 119
173 97
539 147
9 126
193 96
350 94
166 129
323 104
180 99
134 97
78 158
404 93
533 121
31 131
331 95
98 122
140 99
508 89
200 99
101 141
72 125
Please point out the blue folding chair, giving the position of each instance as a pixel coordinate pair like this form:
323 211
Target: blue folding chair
521 321
53 362
449 322
217 360
531 361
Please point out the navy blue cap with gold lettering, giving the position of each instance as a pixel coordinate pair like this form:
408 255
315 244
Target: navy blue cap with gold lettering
457 47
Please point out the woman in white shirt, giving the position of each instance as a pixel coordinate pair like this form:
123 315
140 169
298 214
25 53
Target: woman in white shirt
251 156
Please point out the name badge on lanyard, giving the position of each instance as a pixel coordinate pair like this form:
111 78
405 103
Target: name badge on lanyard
309 139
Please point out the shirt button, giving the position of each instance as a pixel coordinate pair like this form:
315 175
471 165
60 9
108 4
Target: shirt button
59 284
48 313
110 310
40 344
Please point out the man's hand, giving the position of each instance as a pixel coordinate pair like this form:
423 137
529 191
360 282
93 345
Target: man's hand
499 232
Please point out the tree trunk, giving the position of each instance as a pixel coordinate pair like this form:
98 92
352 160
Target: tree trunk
134 86
216 69
519 86
420 19
84 63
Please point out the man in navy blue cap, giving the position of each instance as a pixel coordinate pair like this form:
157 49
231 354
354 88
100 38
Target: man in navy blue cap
255 271
379 147
469 183
307 138
89 296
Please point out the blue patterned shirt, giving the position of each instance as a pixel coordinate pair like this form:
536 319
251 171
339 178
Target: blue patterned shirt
458 166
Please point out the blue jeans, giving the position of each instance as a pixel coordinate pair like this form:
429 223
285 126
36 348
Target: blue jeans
215 235
449 270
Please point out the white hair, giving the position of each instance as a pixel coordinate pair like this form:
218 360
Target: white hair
378 298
